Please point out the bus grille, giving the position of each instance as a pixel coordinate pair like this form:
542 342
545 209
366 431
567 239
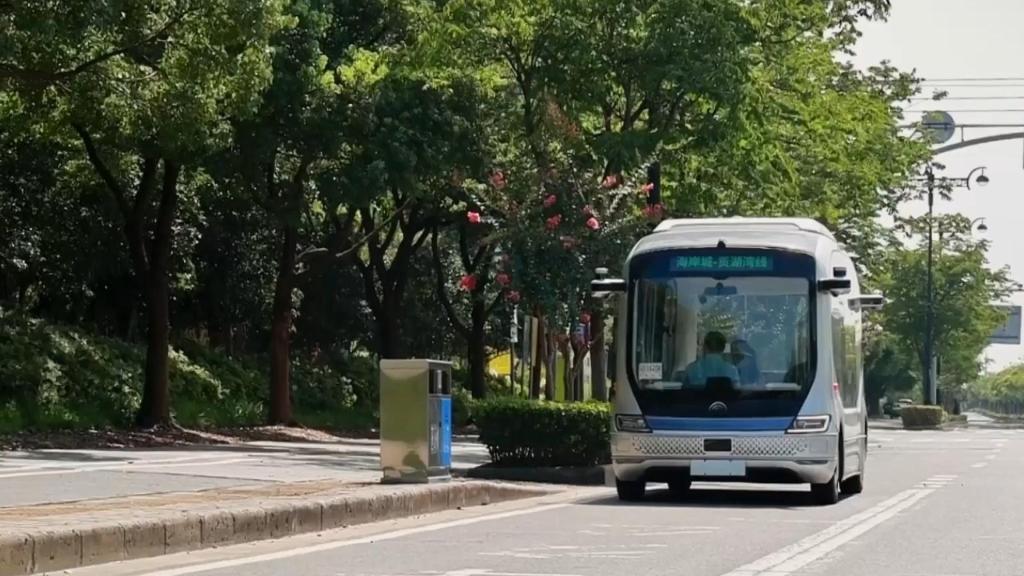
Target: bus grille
683 446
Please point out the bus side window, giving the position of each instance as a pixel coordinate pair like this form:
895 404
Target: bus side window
846 353
839 353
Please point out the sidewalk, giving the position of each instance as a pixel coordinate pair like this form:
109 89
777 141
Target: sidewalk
62 509
46 476
61 536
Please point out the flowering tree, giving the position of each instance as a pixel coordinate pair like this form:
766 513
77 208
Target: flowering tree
513 243
569 143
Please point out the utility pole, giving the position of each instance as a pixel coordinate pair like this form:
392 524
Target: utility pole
930 388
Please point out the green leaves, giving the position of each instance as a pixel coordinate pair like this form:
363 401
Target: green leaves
965 289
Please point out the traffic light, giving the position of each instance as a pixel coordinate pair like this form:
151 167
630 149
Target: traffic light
654 179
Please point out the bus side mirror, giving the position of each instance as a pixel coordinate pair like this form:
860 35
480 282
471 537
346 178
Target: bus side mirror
602 286
837 286
870 301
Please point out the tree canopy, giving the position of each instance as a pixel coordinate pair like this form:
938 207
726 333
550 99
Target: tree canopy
324 182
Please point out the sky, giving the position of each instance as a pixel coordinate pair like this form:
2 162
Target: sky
962 46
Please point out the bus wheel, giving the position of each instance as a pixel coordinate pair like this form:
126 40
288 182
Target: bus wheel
855 484
828 493
630 490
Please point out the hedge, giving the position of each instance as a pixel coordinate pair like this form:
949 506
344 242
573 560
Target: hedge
519 432
922 416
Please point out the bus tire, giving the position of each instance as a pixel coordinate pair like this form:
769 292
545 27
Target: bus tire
855 484
827 493
630 490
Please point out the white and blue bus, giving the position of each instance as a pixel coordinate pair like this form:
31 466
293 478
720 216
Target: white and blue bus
738 355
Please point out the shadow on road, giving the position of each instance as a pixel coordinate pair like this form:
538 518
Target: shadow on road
710 497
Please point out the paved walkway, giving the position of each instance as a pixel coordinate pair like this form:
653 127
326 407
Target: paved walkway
49 476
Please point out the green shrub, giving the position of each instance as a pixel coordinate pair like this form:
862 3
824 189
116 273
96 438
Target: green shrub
520 432
58 377
922 416
462 408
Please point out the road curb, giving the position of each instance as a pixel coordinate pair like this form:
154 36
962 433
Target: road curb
91 543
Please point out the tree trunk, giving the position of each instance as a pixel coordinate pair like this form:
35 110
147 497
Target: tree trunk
280 331
550 364
537 360
598 366
477 352
568 381
156 400
388 342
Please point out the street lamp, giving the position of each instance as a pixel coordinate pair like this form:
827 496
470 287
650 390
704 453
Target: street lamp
930 379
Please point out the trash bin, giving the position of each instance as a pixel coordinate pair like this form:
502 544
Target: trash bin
415 420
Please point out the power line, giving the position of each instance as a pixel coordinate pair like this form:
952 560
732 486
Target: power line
975 79
973 111
1017 97
927 84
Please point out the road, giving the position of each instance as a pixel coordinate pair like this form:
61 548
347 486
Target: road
936 504
43 476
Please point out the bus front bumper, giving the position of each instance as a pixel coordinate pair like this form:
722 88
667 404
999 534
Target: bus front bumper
778 458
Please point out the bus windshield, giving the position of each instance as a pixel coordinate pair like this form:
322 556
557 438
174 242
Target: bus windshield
722 332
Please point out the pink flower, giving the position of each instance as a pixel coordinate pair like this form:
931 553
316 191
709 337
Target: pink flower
654 211
498 180
473 217
584 317
550 201
554 222
592 223
468 283
647 188
610 181
502 279
512 296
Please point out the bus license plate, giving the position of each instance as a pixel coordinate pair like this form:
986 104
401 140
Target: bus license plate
718 468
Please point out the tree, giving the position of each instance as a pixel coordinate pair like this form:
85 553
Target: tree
385 197
888 368
151 103
965 291
322 66
813 137
585 92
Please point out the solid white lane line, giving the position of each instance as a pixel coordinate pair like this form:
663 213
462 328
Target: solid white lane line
824 548
780 556
168 463
271 556
795 556
979 465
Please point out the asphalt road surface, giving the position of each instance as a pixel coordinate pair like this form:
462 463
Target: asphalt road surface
936 504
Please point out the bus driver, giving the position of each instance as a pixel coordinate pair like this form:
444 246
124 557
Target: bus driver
713 364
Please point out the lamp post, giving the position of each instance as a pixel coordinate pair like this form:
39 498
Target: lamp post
975 224
930 376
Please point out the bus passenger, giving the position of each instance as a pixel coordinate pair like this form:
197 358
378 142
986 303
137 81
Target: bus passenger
745 359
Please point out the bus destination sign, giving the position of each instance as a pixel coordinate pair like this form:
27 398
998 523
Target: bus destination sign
722 264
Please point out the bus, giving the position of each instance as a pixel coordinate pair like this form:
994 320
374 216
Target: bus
738 358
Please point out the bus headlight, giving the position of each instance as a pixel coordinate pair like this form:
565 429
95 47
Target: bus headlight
629 423
809 424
